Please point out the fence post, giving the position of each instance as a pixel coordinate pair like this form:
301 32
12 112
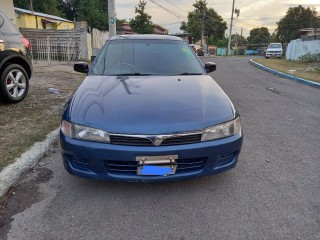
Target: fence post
48 50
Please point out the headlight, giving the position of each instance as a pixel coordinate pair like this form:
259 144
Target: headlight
222 130
84 133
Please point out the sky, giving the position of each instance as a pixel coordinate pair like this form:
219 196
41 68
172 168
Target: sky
253 13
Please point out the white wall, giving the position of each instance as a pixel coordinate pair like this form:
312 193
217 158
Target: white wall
297 48
7 7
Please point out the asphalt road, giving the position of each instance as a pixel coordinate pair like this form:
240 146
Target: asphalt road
273 193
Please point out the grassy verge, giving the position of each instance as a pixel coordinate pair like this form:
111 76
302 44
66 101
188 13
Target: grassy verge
27 122
308 71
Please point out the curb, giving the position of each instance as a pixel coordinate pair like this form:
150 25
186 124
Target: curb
297 79
10 175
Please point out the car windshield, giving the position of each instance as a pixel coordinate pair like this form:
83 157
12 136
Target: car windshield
275 45
146 57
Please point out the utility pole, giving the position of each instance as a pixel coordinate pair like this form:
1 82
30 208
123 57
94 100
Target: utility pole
230 31
31 6
202 28
241 38
112 18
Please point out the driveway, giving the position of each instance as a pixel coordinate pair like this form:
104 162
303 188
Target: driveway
273 193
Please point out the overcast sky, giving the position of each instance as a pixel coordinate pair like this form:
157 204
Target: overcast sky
253 13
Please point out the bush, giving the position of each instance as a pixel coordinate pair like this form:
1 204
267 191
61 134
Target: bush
310 57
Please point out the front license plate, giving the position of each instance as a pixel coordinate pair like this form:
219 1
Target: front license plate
153 170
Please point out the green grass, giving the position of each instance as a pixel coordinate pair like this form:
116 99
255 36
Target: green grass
303 70
27 122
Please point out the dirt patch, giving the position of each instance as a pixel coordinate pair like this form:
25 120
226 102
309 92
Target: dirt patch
27 122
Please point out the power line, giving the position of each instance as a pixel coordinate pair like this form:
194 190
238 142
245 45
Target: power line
166 9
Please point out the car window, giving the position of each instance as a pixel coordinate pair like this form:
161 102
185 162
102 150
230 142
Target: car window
1 21
146 57
7 26
275 45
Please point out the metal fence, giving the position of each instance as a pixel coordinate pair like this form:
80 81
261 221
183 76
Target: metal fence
49 47
50 50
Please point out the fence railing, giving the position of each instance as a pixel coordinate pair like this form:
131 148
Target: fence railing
51 51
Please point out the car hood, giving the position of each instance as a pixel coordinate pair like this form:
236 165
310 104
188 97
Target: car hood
149 104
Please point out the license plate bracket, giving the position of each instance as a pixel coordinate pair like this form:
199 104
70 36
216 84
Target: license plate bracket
156 165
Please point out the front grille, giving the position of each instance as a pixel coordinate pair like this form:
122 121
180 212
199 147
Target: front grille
130 167
130 141
141 141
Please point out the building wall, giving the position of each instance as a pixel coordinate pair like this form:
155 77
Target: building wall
65 26
29 21
297 48
7 7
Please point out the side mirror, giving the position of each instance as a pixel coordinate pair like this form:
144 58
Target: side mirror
210 67
82 67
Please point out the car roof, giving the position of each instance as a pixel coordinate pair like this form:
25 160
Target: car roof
146 37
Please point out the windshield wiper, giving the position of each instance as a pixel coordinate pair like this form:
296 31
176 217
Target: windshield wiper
186 73
133 74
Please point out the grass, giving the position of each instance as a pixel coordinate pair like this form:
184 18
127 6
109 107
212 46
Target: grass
308 71
29 121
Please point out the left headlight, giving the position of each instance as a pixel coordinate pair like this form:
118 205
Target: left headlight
84 133
223 130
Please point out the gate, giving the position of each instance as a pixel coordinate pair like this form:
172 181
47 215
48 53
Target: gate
50 51
50 47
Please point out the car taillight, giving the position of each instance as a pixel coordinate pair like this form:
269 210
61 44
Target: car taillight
26 42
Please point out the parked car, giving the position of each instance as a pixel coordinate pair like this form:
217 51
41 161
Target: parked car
274 50
148 111
15 62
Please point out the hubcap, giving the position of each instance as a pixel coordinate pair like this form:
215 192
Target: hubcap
16 83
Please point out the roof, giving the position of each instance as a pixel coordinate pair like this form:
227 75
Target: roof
58 19
160 27
146 37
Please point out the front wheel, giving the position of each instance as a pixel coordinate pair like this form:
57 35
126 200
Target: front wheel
14 84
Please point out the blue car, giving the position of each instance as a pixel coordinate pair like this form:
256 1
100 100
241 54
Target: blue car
148 111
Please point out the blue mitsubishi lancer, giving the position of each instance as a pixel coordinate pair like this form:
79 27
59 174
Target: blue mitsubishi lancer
149 111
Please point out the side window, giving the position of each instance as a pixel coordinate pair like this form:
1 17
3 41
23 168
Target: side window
6 26
1 21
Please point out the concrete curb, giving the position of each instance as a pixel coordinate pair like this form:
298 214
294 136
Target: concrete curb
297 79
10 175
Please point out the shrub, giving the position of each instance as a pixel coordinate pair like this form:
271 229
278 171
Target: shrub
310 57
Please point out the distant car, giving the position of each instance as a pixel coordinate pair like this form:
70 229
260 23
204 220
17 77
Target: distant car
148 111
15 62
200 52
274 50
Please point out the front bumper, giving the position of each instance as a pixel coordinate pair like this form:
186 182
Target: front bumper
273 54
117 162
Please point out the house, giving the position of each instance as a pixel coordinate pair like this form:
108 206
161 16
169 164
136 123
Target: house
31 19
309 34
124 28
8 9
158 29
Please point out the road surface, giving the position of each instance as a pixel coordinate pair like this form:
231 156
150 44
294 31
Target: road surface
273 193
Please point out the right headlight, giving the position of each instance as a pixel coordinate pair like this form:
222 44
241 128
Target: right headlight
84 133
223 130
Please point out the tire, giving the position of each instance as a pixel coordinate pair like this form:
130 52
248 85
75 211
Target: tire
14 84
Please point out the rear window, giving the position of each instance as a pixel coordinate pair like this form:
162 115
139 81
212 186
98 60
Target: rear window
6 25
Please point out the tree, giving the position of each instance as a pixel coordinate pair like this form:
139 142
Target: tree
95 12
238 40
48 6
142 22
295 19
213 23
259 36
